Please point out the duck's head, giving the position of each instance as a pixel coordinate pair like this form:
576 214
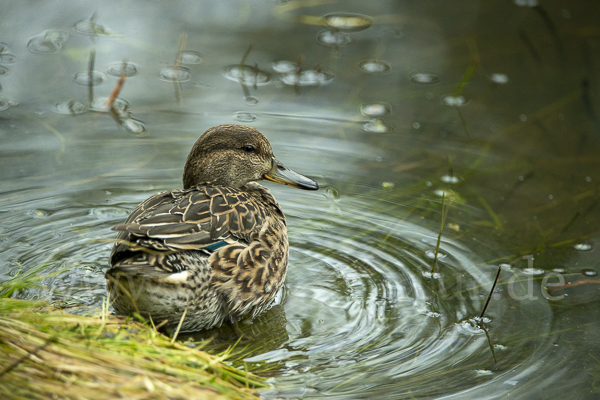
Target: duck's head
234 155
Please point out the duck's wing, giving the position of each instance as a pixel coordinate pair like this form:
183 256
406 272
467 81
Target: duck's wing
202 218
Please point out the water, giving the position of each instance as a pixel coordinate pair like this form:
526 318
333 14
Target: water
390 107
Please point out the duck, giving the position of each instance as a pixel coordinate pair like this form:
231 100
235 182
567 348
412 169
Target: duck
215 251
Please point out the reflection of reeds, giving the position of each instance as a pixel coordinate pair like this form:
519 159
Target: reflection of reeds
177 66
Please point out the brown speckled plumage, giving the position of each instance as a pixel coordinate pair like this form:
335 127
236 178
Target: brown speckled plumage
217 249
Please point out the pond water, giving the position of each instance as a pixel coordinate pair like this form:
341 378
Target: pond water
394 108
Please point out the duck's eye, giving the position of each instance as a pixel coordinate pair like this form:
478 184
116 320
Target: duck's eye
249 148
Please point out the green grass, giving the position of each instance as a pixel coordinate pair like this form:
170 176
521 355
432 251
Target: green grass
48 353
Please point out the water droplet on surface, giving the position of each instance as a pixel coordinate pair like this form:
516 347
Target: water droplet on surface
499 79
90 28
309 77
589 272
347 22
116 69
454 101
333 38
7 58
70 108
377 126
449 178
375 67
190 57
583 247
375 109
284 67
171 74
84 78
3 71
247 75
245 116
424 78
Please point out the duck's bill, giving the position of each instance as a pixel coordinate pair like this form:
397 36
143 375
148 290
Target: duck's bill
281 174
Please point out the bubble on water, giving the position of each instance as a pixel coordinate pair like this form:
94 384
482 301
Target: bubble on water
347 22
133 126
190 57
90 28
589 272
424 78
7 58
116 69
526 3
447 178
583 247
333 38
375 67
84 78
39 214
70 107
332 192
39 44
533 271
119 104
431 255
245 116
251 100
499 79
4 104
377 126
172 74
443 192
3 71
375 109
309 77
247 75
285 67
453 101
49 41
4 48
